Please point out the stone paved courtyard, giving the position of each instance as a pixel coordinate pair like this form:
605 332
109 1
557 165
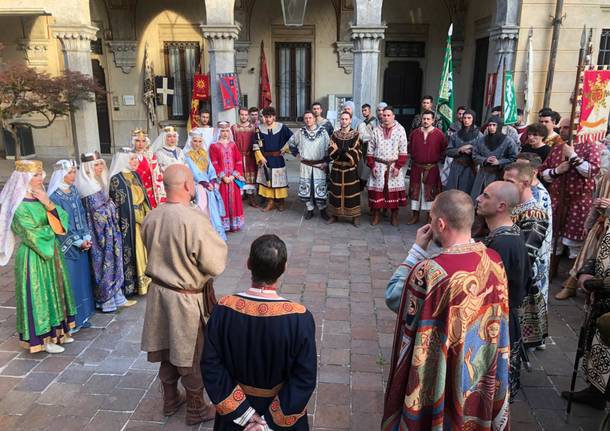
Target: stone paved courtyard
103 381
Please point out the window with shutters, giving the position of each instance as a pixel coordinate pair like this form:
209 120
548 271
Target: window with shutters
604 47
292 79
181 61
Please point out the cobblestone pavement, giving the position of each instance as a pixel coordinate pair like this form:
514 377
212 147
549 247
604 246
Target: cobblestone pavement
103 382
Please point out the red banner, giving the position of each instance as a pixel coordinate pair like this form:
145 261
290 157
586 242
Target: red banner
201 86
595 106
264 87
229 90
490 89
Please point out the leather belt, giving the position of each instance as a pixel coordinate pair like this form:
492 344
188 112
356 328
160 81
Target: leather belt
177 289
312 162
260 392
385 162
273 154
424 166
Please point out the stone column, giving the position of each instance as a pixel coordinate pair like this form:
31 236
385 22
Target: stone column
365 81
221 43
76 44
506 38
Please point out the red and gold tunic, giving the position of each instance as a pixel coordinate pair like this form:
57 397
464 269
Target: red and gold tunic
148 169
449 366
244 139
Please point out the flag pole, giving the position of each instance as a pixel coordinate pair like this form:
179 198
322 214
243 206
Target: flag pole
557 227
502 89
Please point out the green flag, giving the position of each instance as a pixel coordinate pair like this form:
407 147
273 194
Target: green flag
510 102
445 91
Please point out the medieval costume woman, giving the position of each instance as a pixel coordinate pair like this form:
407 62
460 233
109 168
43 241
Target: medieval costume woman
207 197
148 168
106 240
43 295
76 242
226 158
344 185
129 195
166 148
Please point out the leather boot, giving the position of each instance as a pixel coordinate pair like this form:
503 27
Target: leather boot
270 205
308 214
172 398
281 205
568 289
324 214
589 396
331 220
356 221
197 410
394 218
414 218
375 217
252 201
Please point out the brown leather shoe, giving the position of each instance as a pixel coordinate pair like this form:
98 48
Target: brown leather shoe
375 217
270 205
568 289
356 221
565 293
414 218
173 398
394 218
197 410
252 201
281 204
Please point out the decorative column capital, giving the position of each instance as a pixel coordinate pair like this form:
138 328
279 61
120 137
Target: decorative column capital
36 51
505 37
367 37
220 37
345 54
75 37
124 53
241 53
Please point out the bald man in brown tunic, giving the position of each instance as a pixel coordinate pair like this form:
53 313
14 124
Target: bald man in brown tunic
184 253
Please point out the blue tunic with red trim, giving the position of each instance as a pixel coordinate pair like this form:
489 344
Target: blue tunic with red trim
260 354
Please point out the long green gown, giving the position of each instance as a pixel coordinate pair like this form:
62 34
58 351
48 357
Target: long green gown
45 302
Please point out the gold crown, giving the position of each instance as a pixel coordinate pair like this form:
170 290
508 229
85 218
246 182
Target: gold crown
139 133
170 129
29 166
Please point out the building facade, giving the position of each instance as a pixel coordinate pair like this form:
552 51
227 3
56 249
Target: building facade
366 50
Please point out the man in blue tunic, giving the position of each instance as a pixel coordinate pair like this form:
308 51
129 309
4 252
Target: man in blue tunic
259 357
270 144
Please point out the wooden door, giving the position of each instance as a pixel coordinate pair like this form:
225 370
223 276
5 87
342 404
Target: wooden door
402 81
101 103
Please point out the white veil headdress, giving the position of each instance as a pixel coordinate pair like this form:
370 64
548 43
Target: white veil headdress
193 134
139 133
11 196
60 170
120 162
159 142
86 181
222 125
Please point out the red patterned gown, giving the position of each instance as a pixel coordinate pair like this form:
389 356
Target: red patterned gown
227 161
151 176
580 185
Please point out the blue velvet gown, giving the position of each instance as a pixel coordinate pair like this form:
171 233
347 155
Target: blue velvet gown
77 260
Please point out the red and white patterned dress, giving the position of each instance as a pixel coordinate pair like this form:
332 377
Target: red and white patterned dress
388 147
148 169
